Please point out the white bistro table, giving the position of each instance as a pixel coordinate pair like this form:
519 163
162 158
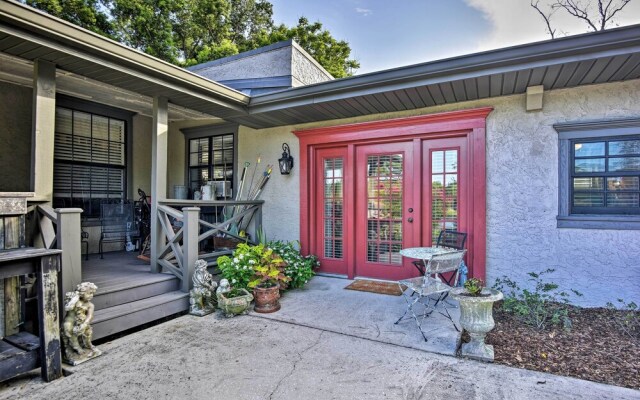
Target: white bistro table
424 253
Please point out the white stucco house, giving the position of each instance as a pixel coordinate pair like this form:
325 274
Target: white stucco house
532 150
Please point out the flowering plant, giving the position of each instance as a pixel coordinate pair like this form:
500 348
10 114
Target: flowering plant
270 270
277 262
298 268
240 268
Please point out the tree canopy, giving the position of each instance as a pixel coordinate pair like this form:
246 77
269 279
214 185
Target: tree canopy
596 14
188 32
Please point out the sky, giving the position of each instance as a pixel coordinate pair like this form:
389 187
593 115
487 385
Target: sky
385 34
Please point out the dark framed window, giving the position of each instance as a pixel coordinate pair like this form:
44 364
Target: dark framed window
90 160
211 158
599 174
605 176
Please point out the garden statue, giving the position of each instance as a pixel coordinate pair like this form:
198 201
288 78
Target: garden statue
224 286
203 295
76 328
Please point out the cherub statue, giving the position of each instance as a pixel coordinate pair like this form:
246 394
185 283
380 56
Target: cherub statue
76 328
203 295
224 286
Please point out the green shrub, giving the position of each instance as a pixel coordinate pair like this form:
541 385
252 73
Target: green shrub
298 267
627 317
269 271
240 268
539 307
252 263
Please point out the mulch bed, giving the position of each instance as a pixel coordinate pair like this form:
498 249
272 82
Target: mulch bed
595 348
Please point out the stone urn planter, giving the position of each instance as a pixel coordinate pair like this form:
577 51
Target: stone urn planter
234 305
267 299
476 317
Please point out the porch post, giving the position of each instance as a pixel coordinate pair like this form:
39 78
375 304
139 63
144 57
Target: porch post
158 174
43 120
191 231
68 238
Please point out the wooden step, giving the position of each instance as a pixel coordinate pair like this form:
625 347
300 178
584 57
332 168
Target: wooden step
109 321
136 287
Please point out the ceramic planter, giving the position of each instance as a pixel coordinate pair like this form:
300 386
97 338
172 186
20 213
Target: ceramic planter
476 317
267 299
235 305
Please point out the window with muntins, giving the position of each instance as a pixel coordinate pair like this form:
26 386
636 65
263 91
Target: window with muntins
605 177
599 174
89 160
211 159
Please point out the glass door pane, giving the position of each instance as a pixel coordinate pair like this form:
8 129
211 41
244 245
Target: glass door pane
384 208
444 191
333 207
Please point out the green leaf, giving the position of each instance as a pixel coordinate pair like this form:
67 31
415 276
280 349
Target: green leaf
254 283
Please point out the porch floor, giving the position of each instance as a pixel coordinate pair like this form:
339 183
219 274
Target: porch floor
325 304
118 270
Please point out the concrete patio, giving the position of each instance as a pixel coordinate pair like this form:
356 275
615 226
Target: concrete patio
325 304
325 343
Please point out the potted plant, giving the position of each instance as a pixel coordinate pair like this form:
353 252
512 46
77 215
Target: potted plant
268 280
297 267
476 317
233 302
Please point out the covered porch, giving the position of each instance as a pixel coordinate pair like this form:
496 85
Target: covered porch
54 78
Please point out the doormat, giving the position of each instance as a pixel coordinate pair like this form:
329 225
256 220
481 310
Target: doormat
364 285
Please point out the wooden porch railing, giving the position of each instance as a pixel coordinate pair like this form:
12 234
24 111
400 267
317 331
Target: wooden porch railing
183 232
60 229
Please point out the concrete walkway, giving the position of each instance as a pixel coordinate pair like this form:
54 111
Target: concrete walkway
324 304
252 357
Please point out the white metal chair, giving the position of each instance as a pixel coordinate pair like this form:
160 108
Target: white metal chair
430 288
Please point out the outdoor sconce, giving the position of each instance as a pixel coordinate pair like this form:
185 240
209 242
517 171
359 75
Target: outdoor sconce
286 162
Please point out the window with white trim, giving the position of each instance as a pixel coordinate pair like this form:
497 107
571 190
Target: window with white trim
599 175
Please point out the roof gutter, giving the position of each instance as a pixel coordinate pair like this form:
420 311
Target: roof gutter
576 48
30 24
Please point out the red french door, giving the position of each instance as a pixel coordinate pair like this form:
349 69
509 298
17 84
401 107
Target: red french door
384 200
401 196
445 172
368 190
332 245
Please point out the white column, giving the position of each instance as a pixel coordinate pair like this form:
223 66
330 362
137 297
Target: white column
158 174
42 129
68 239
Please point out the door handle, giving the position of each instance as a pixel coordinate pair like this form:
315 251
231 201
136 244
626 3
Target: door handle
410 219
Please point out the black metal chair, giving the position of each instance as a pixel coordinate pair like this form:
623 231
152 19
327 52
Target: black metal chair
447 238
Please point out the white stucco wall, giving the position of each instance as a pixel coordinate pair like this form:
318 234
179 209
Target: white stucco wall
268 64
522 191
281 209
305 70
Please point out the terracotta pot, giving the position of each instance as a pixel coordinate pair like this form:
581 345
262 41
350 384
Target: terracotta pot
226 243
266 299
476 317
